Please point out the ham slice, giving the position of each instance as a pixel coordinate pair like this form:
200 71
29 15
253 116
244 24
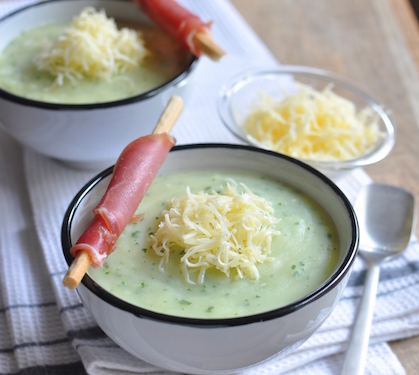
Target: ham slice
133 174
97 241
187 28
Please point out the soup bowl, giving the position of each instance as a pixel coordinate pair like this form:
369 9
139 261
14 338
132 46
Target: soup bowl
222 345
90 135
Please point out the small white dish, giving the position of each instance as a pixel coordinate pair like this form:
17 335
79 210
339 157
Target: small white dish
240 94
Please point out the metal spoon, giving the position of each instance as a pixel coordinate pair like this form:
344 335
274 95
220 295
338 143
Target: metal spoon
386 216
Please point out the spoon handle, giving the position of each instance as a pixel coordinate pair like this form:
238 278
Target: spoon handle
356 353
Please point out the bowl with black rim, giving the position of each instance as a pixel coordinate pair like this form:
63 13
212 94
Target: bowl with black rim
85 135
224 345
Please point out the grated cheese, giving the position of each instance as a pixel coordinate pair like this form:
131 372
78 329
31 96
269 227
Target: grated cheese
91 46
227 231
314 125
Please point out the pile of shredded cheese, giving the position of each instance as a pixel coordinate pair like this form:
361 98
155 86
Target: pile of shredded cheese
314 125
91 46
227 231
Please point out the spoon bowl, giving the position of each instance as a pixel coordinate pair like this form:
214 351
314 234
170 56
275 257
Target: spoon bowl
386 216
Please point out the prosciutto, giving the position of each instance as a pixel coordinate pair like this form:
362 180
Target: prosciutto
177 21
133 174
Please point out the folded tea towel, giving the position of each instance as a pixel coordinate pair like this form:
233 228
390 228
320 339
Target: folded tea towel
44 328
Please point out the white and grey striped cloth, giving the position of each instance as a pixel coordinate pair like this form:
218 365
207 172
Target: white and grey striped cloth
44 328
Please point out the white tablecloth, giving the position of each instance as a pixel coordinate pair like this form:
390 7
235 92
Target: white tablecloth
44 328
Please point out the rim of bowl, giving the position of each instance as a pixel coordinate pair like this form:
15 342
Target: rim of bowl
111 299
190 66
379 153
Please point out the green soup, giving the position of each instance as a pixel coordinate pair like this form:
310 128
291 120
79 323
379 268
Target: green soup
19 75
305 254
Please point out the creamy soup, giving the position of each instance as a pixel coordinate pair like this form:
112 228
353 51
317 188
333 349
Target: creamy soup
303 256
19 75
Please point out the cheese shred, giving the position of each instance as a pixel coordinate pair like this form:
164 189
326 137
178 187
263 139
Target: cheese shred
314 125
228 231
91 46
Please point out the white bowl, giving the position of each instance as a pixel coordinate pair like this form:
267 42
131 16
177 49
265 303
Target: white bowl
240 94
83 135
219 346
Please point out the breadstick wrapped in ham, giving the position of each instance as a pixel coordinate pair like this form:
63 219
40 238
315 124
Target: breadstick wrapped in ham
187 28
133 174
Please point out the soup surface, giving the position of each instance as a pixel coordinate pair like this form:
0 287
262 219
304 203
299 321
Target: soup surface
19 75
304 254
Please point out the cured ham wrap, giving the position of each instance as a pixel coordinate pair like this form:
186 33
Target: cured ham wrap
133 174
187 28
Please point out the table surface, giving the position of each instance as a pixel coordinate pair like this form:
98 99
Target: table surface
373 42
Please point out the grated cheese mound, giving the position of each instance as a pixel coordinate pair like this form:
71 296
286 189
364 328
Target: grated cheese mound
314 125
91 46
228 231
